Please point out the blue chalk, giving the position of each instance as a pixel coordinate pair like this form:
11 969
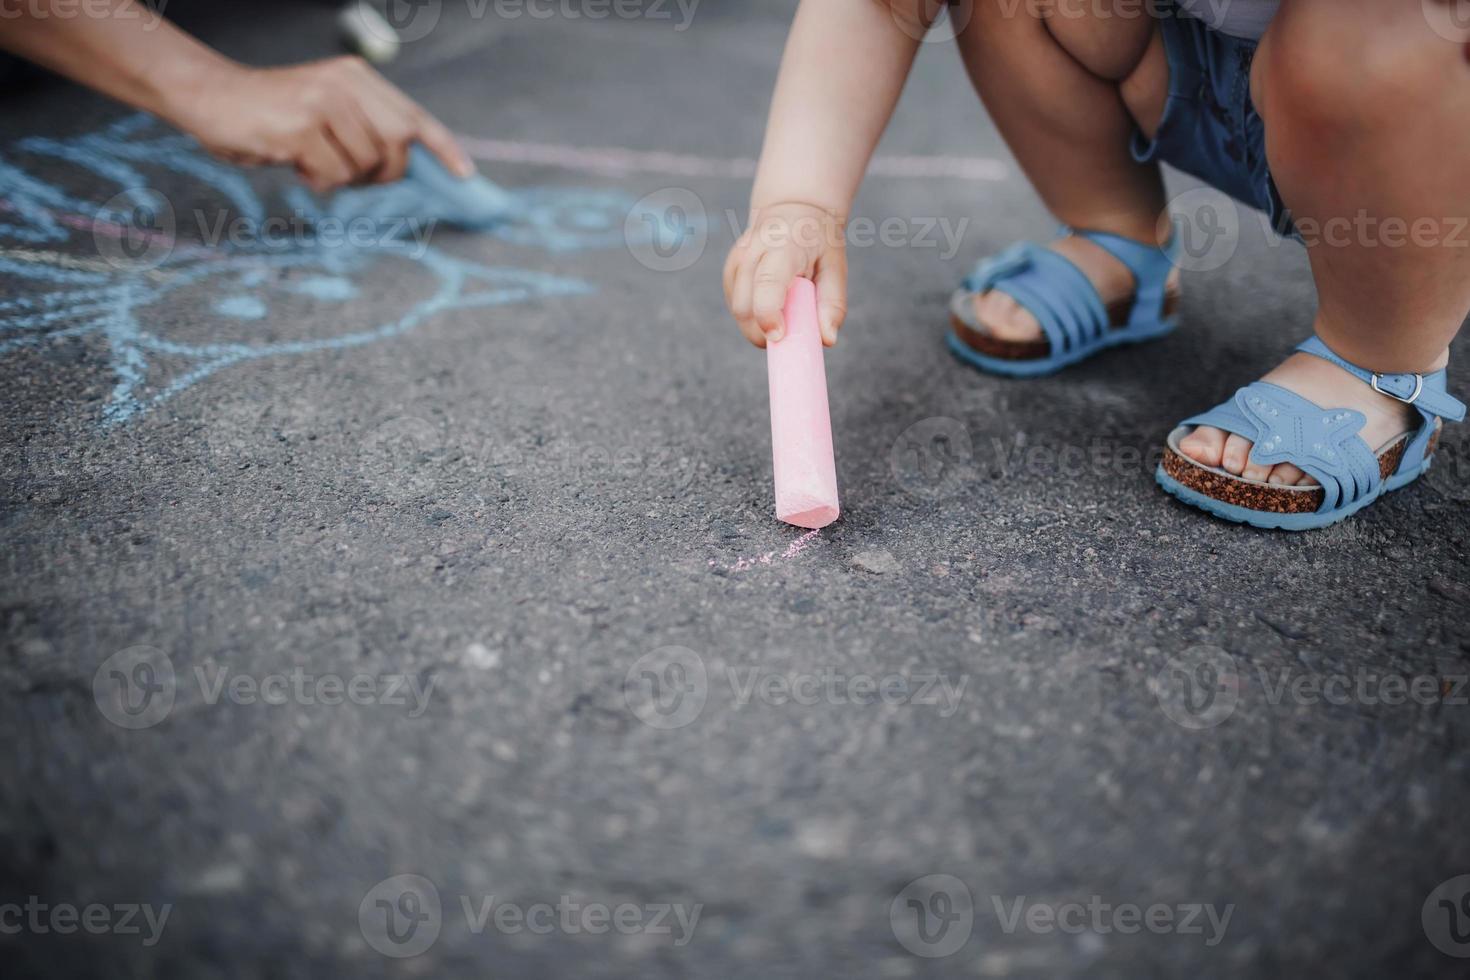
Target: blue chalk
428 192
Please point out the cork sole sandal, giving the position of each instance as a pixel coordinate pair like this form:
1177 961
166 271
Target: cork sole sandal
1323 443
1075 322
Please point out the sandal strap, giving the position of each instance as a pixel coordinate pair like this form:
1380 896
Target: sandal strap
1054 290
1284 427
1426 392
1059 294
1150 264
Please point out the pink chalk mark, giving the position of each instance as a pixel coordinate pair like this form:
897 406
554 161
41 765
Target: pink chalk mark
97 226
792 550
619 161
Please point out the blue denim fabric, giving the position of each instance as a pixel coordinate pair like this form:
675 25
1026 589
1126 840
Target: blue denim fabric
1210 128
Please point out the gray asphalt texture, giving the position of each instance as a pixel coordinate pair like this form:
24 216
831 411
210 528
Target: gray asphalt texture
518 506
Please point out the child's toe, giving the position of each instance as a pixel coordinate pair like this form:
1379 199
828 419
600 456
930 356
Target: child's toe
1255 471
1204 445
1004 318
1286 475
1236 454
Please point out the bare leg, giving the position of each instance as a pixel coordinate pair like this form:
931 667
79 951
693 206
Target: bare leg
1065 89
1365 108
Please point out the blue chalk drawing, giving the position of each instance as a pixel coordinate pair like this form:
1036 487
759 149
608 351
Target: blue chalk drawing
326 288
241 307
133 308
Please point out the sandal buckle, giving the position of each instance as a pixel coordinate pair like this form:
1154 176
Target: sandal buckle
1418 388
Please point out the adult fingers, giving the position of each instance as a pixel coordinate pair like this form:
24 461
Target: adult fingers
320 162
441 142
420 125
391 132
355 141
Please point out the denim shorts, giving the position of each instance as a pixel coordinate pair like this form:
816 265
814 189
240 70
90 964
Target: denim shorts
1210 128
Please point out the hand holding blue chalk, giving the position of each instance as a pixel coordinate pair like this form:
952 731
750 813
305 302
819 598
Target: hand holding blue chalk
427 192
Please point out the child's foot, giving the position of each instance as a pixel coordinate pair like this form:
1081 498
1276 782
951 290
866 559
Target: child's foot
1318 381
1005 319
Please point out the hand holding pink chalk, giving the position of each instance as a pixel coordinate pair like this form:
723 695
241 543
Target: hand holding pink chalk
801 425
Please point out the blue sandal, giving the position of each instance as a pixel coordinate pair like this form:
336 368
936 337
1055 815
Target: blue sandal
1323 443
1074 320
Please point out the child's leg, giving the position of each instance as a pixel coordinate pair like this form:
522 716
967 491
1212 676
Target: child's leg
1066 91
1365 108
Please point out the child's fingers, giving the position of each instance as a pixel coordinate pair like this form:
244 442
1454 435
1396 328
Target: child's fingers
831 295
753 333
727 276
773 277
742 290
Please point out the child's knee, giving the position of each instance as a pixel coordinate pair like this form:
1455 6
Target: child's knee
1325 73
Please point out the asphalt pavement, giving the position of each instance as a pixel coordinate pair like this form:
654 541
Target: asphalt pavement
416 607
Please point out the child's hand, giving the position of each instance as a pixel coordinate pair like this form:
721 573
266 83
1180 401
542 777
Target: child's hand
785 241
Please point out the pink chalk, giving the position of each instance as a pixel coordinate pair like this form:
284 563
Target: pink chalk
801 425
